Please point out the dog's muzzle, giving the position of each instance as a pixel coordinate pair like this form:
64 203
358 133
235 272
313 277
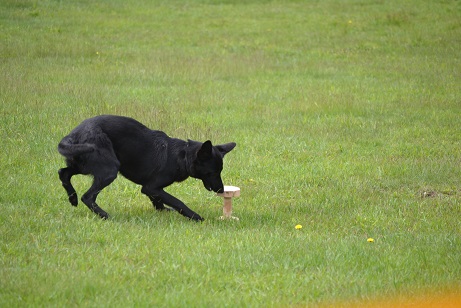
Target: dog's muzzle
216 189
220 190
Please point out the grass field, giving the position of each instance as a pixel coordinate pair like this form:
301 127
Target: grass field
346 115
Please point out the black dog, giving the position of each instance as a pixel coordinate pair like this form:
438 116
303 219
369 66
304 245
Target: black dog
105 145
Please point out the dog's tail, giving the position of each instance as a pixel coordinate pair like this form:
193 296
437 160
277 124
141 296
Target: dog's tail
67 148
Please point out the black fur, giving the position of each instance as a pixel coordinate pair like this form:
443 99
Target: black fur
105 145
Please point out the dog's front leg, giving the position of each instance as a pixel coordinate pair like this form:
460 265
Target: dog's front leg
166 198
158 204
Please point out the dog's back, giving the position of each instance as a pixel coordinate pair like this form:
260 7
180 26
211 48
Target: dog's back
138 149
93 132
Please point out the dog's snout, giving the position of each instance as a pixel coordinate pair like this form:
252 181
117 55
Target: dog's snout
215 185
218 189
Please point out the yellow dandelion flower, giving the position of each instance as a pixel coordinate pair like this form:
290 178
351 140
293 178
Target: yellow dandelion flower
370 240
297 227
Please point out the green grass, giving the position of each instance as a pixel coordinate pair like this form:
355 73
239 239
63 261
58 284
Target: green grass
346 116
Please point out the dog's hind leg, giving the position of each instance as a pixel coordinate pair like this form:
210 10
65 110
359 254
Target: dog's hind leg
101 180
64 175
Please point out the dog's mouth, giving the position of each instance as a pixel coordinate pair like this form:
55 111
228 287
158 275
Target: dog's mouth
219 190
215 189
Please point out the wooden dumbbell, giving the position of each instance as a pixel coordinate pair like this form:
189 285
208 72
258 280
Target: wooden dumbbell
229 193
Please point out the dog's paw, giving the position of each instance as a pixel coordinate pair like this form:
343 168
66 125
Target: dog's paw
197 217
103 215
73 199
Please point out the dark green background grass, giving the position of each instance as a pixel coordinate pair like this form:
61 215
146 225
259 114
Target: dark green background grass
346 115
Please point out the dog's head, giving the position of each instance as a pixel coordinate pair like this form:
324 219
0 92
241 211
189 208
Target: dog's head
209 164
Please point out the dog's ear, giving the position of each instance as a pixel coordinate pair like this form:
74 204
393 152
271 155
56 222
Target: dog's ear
226 148
205 151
